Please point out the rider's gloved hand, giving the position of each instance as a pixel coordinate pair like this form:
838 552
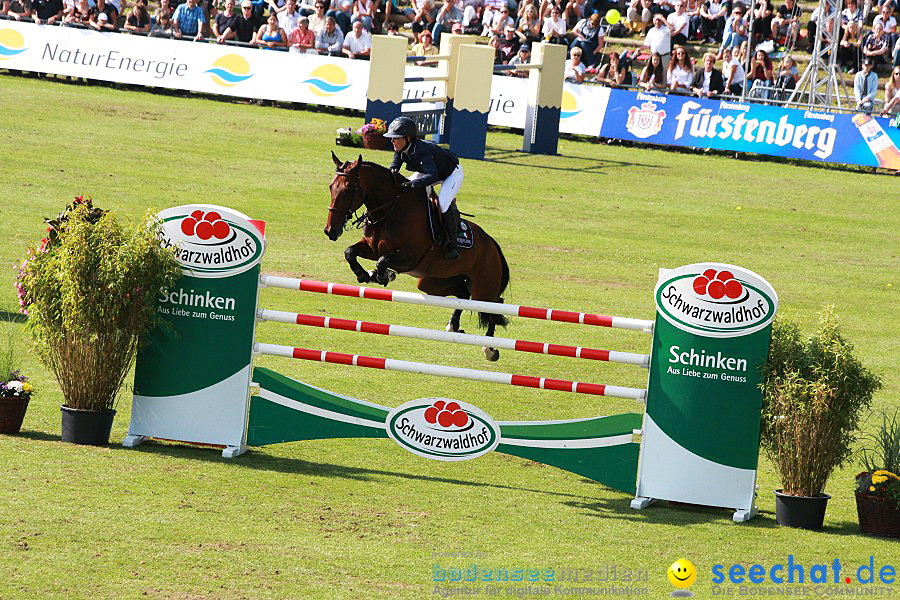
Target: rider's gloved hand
406 185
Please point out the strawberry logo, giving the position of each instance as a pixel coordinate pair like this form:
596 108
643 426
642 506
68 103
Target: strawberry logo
718 284
205 226
446 414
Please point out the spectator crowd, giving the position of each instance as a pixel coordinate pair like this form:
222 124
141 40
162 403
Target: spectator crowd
720 33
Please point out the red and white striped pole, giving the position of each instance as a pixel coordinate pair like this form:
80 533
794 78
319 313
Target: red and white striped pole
391 364
549 314
630 358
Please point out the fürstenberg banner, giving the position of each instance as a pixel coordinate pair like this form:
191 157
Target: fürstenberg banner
252 72
745 127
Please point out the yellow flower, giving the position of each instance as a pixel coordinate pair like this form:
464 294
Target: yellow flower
871 488
27 387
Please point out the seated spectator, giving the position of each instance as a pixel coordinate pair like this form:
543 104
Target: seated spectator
79 14
289 16
653 76
472 14
522 58
852 14
892 94
695 21
786 23
46 11
574 68
270 35
735 29
590 37
849 47
330 39
680 72
302 40
423 13
494 42
875 46
885 16
317 19
761 28
189 20
865 86
640 15
357 43
425 48
761 76
342 13
786 77
554 29
449 15
614 73
224 25
364 12
396 14
530 25
575 10
103 17
708 82
712 15
138 20
162 26
306 8
659 39
496 22
813 25
679 24
733 72
509 44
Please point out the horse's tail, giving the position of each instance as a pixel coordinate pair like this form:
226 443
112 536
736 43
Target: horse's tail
485 319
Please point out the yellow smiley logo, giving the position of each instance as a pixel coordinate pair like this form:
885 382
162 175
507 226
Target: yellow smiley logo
682 573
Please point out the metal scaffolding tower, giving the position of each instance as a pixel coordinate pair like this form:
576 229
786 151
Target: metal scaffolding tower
819 85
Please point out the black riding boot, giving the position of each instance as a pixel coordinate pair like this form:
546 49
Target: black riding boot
451 226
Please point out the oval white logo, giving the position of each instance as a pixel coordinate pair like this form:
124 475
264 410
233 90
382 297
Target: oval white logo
715 300
443 429
211 241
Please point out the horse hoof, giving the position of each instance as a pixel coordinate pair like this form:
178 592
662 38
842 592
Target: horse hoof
363 278
492 354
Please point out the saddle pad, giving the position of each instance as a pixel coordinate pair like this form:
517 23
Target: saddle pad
464 237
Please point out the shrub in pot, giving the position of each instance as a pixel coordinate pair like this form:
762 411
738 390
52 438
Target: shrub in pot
90 291
878 487
814 391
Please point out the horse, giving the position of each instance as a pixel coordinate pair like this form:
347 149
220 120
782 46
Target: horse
396 235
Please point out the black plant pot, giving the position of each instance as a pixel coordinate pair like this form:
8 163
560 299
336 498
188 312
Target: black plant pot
91 427
805 512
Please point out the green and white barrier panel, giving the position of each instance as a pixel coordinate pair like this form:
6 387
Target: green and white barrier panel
700 430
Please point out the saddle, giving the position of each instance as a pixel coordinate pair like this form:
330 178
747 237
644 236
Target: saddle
464 237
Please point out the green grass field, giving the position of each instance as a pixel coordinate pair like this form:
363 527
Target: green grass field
585 230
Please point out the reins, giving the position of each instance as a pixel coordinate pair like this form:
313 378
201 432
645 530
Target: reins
367 218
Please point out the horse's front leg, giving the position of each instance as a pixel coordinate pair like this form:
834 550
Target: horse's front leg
398 260
359 249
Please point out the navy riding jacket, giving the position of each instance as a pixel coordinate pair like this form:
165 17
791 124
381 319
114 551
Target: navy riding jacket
426 157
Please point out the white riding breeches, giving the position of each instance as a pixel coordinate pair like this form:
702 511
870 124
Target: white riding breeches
449 187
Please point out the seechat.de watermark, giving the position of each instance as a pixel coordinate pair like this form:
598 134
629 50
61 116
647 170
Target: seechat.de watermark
792 578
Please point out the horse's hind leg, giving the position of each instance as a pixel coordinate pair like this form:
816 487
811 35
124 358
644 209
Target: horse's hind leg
486 288
453 323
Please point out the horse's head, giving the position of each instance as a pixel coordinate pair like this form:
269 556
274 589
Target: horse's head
346 196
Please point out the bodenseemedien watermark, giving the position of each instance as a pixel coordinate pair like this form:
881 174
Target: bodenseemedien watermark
532 591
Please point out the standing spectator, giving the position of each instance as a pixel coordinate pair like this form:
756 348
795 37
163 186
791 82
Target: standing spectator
341 11
270 35
425 48
653 77
733 72
590 37
138 20
189 20
786 23
680 72
574 68
509 44
302 39
659 39
712 15
46 11
614 73
735 29
679 24
330 39
892 94
162 27
358 43
364 11
164 6
289 16
554 30
17 9
449 15
246 24
876 45
708 82
865 86
317 19
224 25
80 14
103 17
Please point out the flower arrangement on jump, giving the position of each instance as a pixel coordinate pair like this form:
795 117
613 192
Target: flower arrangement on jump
374 126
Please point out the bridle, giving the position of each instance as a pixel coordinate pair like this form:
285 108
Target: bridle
354 184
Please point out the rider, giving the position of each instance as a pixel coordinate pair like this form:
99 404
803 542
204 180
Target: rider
431 164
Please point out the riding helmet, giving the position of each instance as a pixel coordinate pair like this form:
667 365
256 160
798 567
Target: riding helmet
402 127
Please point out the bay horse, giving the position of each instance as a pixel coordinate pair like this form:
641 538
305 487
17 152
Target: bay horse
396 235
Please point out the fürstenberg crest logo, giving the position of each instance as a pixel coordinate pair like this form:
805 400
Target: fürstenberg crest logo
211 241
716 300
443 429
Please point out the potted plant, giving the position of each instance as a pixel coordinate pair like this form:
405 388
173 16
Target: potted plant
878 487
90 290
814 390
15 390
373 135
